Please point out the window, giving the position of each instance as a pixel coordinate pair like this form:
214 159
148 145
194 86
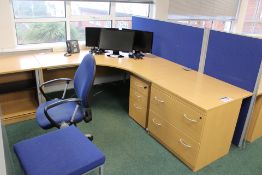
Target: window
124 24
40 32
201 23
49 21
77 29
38 9
220 25
253 18
34 22
90 8
129 9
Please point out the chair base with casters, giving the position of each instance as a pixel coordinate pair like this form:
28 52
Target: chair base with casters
62 152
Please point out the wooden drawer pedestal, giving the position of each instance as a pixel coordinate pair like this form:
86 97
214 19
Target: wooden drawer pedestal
196 136
138 100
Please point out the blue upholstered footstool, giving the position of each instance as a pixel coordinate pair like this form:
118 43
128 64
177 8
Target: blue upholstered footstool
61 152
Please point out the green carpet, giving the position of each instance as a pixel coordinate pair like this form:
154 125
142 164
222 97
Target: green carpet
130 150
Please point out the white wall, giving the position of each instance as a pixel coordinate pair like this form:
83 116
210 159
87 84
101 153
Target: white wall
7 27
160 9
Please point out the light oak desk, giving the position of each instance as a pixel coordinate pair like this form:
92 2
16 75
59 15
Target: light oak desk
15 72
182 109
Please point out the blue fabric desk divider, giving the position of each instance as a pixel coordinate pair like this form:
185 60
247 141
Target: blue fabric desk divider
178 43
234 59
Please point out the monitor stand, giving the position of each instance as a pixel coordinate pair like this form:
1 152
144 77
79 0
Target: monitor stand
93 50
97 51
116 54
138 54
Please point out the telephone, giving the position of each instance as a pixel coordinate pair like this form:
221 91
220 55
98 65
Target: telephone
72 46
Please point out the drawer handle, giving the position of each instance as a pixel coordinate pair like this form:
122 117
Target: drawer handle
184 144
158 100
189 119
140 86
137 107
138 96
155 122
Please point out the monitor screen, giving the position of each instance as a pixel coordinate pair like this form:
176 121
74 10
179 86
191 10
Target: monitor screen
116 40
92 36
143 41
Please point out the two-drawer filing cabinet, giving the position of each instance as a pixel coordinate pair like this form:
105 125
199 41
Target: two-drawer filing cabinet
196 136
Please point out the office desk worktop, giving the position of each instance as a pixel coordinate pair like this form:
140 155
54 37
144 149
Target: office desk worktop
18 63
197 88
187 113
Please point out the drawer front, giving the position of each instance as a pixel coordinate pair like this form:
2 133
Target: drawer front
139 85
177 113
138 97
138 112
183 146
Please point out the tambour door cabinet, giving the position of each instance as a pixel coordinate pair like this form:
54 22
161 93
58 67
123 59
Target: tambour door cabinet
138 100
195 135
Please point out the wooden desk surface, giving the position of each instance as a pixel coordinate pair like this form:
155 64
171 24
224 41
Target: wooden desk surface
196 88
57 59
18 63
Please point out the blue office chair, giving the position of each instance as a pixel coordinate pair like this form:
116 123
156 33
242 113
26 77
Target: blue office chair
64 112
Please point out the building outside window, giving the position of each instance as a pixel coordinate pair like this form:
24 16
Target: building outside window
253 18
219 25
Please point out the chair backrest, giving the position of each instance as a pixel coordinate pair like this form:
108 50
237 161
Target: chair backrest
84 78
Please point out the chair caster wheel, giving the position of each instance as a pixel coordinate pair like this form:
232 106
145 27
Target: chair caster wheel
90 137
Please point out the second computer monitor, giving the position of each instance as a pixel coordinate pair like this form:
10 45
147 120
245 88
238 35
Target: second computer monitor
116 40
92 36
143 41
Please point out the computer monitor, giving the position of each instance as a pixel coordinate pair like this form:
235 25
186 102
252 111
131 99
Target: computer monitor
92 37
116 40
143 41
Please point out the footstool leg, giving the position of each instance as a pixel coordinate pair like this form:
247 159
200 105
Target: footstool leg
101 170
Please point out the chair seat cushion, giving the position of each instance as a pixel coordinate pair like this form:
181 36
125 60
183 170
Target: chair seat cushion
61 152
59 113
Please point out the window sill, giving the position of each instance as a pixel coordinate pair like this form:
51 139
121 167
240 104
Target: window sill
60 46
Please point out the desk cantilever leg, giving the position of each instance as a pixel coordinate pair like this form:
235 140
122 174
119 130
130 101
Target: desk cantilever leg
39 81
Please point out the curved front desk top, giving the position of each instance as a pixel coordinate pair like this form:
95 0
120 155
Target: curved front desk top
199 89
